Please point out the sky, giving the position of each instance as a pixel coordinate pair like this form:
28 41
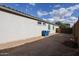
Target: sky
52 12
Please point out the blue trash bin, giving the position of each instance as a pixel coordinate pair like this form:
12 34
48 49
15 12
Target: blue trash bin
45 33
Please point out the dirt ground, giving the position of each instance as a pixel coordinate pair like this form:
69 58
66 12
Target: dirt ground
48 46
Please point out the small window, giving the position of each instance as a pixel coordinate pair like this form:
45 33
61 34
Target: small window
44 23
39 22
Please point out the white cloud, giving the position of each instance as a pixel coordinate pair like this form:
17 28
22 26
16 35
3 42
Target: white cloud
61 14
57 6
33 4
50 6
64 11
41 13
44 19
26 10
51 19
73 8
71 20
16 4
55 19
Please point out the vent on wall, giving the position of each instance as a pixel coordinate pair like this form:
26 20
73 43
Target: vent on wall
39 22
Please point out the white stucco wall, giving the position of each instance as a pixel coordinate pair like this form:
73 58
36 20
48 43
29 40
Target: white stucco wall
53 28
14 27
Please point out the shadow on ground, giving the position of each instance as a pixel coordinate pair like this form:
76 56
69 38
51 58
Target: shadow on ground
70 43
55 45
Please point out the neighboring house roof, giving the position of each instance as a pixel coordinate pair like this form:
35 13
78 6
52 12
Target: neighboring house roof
16 12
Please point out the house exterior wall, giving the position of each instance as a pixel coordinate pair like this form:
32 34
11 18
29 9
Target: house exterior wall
14 27
53 28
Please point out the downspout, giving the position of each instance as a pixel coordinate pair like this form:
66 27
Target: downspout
49 27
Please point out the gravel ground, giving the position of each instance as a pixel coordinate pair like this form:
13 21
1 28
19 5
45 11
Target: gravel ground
49 46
